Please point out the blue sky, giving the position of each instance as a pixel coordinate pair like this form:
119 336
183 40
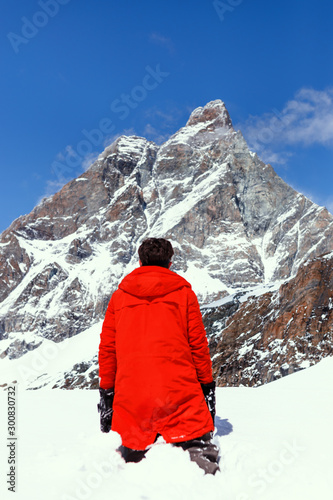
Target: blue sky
75 74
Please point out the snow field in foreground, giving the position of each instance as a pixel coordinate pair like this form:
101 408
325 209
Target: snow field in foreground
275 443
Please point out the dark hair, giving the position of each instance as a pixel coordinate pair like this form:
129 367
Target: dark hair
155 252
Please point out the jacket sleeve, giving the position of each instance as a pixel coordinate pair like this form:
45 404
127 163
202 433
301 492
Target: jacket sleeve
198 341
107 350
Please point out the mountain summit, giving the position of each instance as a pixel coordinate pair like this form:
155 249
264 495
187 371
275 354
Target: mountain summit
234 224
214 114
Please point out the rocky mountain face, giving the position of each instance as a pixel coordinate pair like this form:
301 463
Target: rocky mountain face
256 339
235 226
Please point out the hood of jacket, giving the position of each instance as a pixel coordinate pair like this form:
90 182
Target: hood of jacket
152 281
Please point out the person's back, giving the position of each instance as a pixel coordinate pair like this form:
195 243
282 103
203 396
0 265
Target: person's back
154 354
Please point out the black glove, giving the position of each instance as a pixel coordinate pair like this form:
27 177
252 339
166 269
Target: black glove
105 408
209 393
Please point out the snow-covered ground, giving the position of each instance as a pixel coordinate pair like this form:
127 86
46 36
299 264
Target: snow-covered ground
46 364
276 443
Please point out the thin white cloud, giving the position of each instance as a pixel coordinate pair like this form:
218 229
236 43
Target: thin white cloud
153 134
128 132
159 39
69 150
166 119
161 124
328 203
109 140
88 160
274 158
305 120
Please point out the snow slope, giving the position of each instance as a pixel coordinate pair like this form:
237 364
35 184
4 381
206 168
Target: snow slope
275 441
48 363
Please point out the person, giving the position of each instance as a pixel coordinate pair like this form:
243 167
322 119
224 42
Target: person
155 371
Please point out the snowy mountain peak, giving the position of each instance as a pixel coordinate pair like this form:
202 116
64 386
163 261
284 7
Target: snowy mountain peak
132 145
214 113
234 224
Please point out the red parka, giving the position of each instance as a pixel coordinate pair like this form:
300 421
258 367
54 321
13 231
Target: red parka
154 352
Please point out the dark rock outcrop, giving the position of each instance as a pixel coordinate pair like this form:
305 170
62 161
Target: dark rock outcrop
276 333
